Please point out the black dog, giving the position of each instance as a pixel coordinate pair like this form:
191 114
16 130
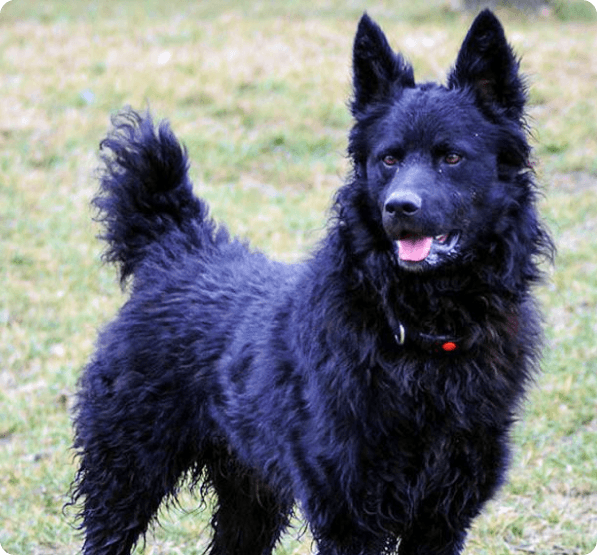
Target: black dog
373 386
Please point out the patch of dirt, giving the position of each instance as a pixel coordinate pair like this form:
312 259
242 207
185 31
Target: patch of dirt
572 182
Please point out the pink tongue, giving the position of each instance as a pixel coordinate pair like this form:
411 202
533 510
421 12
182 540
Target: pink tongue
414 248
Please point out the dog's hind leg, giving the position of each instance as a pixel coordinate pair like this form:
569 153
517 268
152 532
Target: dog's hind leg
135 445
249 518
122 495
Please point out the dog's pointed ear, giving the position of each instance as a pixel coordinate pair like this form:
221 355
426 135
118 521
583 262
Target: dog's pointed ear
487 64
377 70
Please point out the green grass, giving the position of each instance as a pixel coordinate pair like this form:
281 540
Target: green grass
258 94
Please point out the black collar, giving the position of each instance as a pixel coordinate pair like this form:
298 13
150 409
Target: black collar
406 335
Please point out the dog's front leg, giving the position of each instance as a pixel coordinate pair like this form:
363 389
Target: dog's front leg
432 538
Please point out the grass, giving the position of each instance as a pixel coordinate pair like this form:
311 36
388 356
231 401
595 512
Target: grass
258 95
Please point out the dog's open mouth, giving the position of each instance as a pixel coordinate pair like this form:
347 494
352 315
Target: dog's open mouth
415 248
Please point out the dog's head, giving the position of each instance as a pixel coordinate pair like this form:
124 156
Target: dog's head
442 163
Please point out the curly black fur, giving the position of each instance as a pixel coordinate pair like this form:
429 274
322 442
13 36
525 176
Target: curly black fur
373 386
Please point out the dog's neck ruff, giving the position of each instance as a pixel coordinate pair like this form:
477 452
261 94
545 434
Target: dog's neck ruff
438 343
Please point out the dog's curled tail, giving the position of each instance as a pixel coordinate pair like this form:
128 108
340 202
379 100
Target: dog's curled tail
145 192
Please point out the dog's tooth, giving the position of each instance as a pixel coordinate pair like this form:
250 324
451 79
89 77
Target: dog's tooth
441 238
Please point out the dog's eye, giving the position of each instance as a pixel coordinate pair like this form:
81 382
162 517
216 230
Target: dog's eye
452 159
390 160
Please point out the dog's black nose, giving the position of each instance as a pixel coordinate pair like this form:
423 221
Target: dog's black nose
403 203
